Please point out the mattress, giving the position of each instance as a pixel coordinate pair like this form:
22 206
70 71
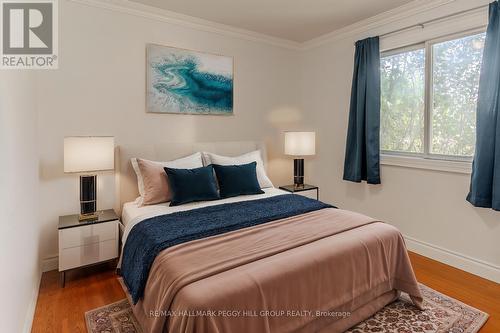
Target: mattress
132 213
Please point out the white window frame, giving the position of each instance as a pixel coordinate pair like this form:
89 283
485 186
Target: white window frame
427 160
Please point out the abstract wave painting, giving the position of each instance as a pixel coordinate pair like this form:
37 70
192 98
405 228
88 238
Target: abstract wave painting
188 82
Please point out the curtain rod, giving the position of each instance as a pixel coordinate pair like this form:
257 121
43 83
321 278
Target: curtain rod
422 24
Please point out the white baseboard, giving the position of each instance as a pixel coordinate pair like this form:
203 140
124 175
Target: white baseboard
30 313
475 266
50 263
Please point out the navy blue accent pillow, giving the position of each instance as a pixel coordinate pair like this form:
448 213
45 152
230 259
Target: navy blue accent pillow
190 185
237 180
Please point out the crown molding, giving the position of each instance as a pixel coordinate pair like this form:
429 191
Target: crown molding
166 16
376 22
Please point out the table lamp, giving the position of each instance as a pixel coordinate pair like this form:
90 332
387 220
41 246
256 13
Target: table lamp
299 144
87 155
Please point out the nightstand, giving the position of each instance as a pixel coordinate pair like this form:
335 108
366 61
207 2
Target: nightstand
85 243
304 190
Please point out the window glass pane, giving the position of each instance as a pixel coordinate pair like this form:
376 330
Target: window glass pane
402 102
455 74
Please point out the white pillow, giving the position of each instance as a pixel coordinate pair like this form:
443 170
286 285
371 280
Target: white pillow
188 162
254 156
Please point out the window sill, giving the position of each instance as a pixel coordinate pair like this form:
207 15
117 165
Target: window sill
426 163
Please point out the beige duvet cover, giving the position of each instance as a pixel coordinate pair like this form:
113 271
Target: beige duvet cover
321 271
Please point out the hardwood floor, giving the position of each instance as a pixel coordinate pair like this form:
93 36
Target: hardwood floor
61 309
470 289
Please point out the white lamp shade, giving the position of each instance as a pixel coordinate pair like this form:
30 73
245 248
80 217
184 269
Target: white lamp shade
91 153
300 143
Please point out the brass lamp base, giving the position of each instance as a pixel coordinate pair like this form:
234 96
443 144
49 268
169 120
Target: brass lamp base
88 217
298 172
88 197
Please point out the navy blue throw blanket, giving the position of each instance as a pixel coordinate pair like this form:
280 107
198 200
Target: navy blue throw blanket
148 238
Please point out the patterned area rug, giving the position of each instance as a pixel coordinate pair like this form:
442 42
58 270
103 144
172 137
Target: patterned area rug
442 314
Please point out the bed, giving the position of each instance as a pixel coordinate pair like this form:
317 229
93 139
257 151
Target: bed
305 267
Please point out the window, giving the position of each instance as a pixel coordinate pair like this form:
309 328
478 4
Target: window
402 101
429 98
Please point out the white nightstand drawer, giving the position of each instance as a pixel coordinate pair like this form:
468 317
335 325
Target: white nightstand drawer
88 254
85 235
308 194
305 190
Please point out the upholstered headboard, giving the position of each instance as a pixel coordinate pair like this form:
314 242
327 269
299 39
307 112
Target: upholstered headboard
126 181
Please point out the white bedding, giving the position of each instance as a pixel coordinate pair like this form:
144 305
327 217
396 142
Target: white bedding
132 213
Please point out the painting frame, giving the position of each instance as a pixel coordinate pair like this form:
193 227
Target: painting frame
198 53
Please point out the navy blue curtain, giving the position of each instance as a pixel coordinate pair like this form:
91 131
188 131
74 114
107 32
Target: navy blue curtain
362 156
485 180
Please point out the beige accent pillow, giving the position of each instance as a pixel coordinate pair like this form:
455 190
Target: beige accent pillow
152 180
155 182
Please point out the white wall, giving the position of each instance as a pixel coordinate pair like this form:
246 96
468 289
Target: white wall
19 238
99 89
429 207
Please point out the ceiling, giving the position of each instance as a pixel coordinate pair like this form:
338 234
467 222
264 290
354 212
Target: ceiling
296 20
